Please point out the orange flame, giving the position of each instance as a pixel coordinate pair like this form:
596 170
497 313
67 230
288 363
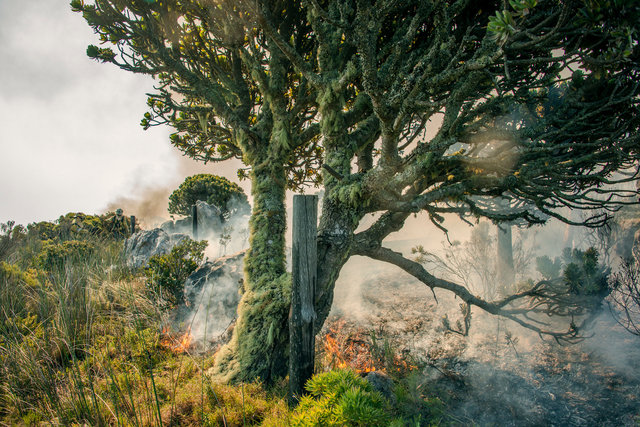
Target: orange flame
347 350
352 347
174 342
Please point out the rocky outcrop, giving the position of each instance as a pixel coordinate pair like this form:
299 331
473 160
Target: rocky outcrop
141 246
210 222
212 294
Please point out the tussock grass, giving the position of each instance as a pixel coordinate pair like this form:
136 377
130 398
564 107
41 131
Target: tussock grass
81 343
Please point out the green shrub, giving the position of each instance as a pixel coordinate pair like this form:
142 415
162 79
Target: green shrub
215 190
166 274
583 274
341 398
53 256
581 271
415 407
11 235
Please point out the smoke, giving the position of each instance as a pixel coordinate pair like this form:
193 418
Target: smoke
148 205
501 373
213 293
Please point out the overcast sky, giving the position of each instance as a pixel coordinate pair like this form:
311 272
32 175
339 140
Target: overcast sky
70 138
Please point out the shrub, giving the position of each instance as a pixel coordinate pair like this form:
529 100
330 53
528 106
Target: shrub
414 405
11 236
341 398
166 274
583 274
215 190
53 256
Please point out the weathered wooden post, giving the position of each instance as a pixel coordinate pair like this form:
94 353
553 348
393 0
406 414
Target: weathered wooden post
194 216
133 224
302 314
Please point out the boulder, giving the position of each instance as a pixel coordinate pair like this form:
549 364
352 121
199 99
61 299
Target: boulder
210 222
212 294
141 246
382 384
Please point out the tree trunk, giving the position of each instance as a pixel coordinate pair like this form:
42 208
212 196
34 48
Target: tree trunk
505 269
259 344
335 236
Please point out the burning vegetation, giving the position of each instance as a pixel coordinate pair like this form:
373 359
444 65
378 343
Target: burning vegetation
345 345
176 342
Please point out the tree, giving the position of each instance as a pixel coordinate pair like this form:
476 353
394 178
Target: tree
215 190
412 106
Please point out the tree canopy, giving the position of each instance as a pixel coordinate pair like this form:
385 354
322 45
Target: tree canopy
395 108
213 189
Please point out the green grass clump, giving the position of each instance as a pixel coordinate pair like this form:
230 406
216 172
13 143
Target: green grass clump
245 404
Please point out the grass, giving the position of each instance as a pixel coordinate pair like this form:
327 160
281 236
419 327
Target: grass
81 343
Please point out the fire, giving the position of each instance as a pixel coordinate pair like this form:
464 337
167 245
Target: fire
357 349
347 351
174 342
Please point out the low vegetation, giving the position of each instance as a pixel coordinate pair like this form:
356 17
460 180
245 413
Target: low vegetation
84 340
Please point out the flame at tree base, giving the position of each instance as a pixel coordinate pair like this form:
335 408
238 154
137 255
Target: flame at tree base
358 350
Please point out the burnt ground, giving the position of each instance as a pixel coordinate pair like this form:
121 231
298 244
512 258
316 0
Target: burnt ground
500 374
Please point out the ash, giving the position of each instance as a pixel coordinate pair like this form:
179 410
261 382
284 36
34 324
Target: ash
501 374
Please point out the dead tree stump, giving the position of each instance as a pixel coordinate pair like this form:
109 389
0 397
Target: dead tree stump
302 314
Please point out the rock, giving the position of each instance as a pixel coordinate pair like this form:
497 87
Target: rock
181 226
624 237
141 246
210 222
382 384
213 291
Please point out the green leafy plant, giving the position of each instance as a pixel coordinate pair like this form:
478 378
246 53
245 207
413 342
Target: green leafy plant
215 190
583 274
415 406
579 270
341 398
166 273
54 255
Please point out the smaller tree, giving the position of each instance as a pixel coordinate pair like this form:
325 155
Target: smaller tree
213 189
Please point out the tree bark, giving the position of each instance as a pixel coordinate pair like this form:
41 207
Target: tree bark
505 269
335 236
259 344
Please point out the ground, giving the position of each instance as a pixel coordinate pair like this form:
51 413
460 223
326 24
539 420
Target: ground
500 374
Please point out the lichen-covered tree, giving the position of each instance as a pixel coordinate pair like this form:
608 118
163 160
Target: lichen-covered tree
410 106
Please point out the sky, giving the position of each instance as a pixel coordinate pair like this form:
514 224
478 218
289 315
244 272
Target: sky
70 139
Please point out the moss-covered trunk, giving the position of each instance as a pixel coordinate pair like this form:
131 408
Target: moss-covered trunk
259 344
335 235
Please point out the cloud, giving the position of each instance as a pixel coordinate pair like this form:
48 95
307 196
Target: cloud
70 137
